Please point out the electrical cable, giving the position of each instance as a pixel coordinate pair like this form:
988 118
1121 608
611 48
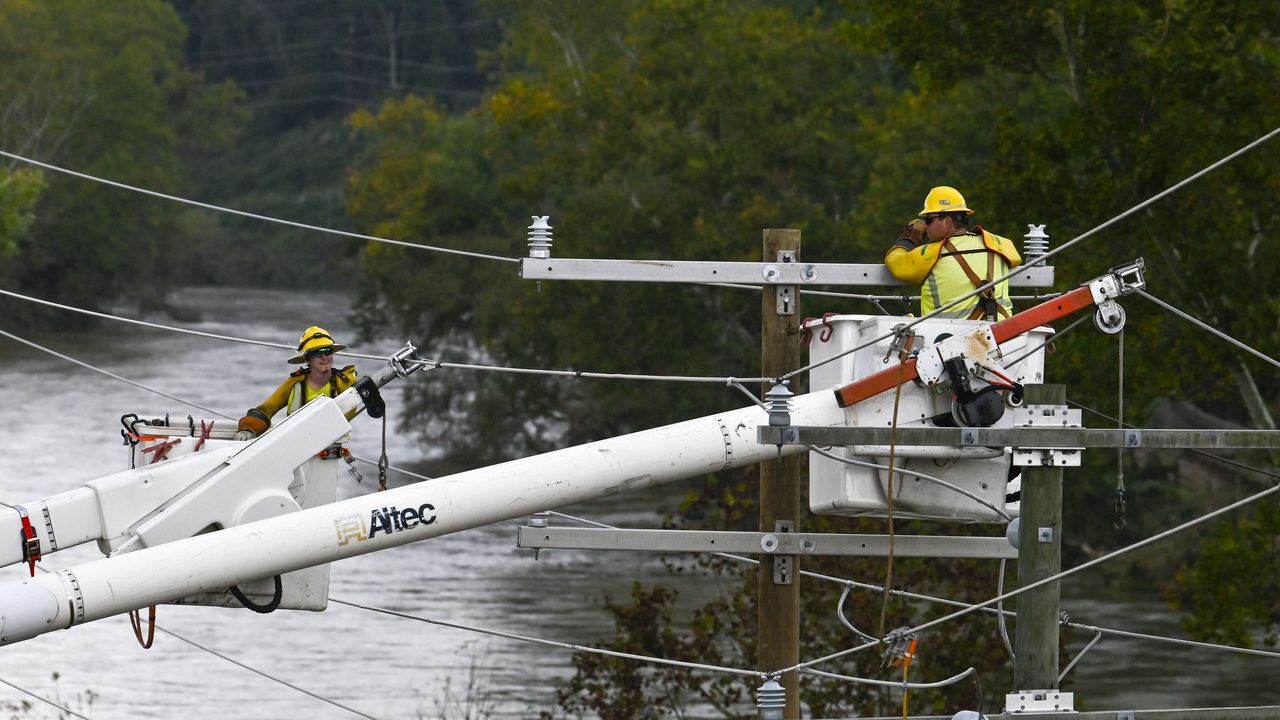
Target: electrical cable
109 374
956 603
271 604
1206 326
891 683
1053 578
553 643
154 627
1000 623
174 397
1039 260
1078 657
272 678
626 656
43 699
254 216
844 620
1052 338
1203 453
720 380
429 364
937 481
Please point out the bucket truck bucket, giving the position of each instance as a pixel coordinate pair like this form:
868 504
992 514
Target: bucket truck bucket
311 484
845 488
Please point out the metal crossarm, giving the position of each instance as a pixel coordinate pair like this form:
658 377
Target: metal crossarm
754 273
1065 437
936 546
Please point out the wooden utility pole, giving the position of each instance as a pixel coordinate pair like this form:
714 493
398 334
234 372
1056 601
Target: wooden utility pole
1035 666
779 576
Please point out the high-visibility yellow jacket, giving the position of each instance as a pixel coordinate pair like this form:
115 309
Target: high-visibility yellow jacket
941 277
293 393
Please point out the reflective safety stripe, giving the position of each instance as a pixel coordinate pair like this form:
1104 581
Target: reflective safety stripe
297 393
948 280
295 397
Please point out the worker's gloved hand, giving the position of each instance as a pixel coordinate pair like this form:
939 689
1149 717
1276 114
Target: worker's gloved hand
244 435
913 232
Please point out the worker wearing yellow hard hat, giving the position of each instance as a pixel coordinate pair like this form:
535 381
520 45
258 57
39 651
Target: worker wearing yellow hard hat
317 377
948 259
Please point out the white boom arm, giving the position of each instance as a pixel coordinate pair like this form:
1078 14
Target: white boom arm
227 483
214 561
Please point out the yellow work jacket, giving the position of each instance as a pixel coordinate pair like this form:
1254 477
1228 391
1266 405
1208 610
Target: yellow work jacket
941 277
291 394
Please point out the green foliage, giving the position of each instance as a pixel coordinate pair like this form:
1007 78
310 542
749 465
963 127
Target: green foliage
615 688
1078 111
1232 590
675 129
19 191
101 87
668 130
723 631
1071 113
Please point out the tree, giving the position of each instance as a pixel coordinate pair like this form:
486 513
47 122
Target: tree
19 191
647 130
100 87
1123 100
678 129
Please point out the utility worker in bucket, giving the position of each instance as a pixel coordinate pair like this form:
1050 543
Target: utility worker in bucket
316 377
944 256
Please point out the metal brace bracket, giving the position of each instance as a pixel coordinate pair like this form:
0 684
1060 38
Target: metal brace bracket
1047 416
1039 701
783 565
785 303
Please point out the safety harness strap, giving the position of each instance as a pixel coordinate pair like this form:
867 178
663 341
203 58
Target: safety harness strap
986 300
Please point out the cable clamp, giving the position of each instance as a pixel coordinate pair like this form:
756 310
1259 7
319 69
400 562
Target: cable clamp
903 339
899 648
405 361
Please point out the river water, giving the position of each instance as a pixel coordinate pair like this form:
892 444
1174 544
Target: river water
65 430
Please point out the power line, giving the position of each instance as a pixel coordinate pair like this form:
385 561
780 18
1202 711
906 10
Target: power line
268 676
175 398
253 216
109 374
1205 326
1197 451
551 643
1042 258
956 603
43 699
430 364
804 666
1052 578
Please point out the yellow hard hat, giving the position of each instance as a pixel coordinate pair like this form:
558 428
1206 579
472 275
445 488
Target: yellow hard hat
944 199
313 339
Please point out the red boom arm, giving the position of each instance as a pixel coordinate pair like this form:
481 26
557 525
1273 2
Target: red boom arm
1045 312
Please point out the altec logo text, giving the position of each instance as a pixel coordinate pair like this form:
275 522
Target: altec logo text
389 520
383 520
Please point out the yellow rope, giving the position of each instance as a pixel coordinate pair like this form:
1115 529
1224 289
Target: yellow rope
893 442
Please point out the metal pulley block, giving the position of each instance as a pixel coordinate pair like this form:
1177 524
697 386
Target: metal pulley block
1119 281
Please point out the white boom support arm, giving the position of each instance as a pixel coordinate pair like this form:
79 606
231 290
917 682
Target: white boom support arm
227 483
215 561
